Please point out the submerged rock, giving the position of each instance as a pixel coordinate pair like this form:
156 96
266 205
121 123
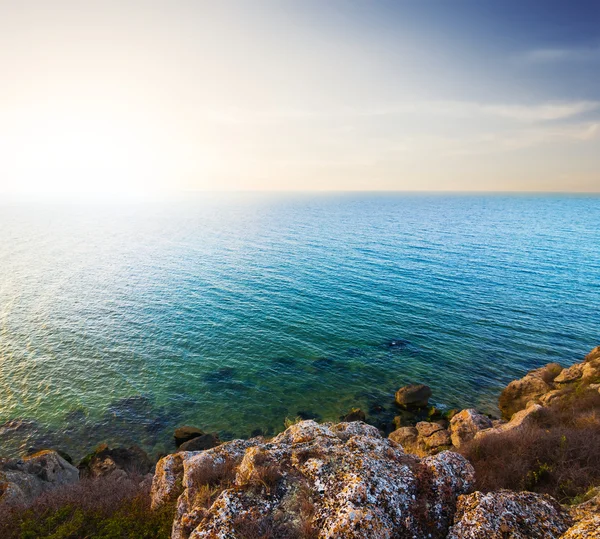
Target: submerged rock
341 480
200 443
356 414
185 434
22 480
413 396
506 514
104 462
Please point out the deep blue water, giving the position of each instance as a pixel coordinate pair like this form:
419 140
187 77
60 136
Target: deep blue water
231 313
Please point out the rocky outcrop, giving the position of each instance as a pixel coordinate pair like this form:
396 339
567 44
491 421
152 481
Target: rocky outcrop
22 480
466 424
120 461
506 514
425 439
341 480
531 387
413 396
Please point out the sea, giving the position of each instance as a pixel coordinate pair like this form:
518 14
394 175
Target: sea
120 321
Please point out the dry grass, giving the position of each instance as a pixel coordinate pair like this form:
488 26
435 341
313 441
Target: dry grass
559 455
91 508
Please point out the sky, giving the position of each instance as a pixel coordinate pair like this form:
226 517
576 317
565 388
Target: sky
155 96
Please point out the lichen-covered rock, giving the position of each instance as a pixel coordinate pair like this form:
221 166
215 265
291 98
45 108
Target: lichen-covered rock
466 424
413 396
587 519
22 480
586 528
342 481
506 514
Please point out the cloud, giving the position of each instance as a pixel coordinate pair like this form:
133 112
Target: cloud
567 54
539 112
542 112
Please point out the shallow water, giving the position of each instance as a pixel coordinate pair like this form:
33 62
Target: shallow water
231 313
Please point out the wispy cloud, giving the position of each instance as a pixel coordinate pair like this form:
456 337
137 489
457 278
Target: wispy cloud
570 54
530 113
542 112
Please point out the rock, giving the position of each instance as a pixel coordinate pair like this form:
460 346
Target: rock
200 443
520 420
570 375
104 462
505 514
22 480
593 355
413 396
427 429
518 393
587 528
551 397
440 439
405 436
343 480
356 414
547 373
465 424
586 516
185 434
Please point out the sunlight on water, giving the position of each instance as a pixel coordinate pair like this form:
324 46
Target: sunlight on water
119 323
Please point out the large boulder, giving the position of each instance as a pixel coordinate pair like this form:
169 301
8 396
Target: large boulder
120 461
327 480
466 424
413 396
531 387
22 480
506 514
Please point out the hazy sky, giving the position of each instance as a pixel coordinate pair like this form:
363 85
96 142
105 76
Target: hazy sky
103 96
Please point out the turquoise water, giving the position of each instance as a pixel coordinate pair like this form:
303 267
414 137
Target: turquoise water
231 313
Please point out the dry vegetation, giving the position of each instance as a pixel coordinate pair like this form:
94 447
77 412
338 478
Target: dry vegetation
91 509
559 455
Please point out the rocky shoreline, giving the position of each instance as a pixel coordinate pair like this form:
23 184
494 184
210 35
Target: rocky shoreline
350 480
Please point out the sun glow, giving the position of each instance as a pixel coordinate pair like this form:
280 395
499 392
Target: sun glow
80 152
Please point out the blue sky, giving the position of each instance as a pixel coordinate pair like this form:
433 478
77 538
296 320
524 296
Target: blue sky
311 94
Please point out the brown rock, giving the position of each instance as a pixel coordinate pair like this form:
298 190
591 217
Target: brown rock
518 393
570 375
464 426
356 414
547 373
405 436
427 429
201 443
438 439
104 462
413 396
185 434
